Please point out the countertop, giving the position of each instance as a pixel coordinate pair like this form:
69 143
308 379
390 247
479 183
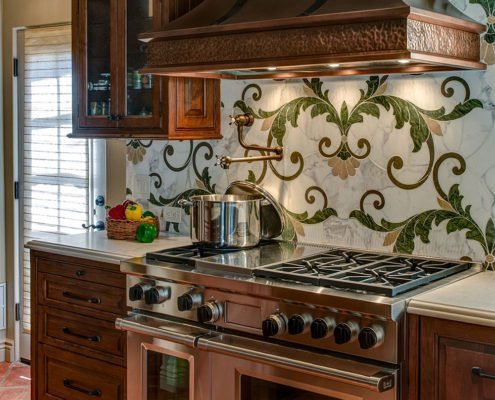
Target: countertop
97 247
470 300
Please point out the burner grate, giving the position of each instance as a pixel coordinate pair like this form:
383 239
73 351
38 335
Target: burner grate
363 272
186 254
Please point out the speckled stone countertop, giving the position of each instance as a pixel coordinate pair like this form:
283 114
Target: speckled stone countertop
470 300
97 247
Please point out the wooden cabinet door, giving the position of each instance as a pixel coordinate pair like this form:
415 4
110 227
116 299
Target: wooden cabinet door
193 110
139 94
94 65
452 358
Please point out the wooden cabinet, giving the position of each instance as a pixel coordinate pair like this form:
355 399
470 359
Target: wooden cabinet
456 361
75 347
111 98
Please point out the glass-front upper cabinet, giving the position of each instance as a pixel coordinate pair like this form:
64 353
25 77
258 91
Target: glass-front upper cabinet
111 92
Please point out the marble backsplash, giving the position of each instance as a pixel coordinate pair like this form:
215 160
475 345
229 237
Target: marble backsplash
404 163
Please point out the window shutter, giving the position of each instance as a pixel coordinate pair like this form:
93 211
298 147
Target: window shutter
55 169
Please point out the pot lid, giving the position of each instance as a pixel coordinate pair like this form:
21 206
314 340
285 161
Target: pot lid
242 39
272 214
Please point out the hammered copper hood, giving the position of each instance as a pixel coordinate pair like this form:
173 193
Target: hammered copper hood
240 39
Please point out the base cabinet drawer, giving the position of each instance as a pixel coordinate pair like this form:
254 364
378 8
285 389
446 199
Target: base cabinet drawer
59 291
67 376
59 327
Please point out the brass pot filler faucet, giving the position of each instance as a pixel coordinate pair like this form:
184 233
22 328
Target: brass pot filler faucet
241 121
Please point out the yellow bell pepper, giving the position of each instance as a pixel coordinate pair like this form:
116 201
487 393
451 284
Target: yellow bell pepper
133 212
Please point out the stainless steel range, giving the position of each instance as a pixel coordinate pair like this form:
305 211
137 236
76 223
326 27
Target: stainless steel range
278 321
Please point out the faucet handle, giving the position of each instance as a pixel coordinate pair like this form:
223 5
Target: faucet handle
224 162
242 119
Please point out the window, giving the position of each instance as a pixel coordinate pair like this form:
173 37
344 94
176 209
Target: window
55 171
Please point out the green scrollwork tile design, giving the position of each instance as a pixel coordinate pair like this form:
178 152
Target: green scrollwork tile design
488 38
344 161
451 211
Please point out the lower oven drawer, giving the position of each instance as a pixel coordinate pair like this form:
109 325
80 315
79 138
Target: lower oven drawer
55 326
68 376
250 369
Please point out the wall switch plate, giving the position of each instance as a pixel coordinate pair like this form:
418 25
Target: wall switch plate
141 187
172 214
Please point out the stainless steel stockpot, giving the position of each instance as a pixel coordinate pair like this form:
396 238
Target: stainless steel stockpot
225 221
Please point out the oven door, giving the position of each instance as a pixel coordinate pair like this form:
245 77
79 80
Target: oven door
162 362
247 369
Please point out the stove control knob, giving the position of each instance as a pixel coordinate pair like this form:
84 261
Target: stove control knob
157 295
274 325
188 301
209 312
371 336
346 332
136 292
322 327
299 323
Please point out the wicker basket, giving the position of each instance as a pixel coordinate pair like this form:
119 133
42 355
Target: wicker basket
125 229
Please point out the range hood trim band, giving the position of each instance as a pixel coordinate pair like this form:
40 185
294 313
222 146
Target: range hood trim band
317 20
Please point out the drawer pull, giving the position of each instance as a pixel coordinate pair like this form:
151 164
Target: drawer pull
67 331
80 274
69 385
92 300
479 372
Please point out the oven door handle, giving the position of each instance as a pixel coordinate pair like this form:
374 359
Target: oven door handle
161 329
361 374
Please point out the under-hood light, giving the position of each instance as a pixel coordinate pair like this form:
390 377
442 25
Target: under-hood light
404 61
334 65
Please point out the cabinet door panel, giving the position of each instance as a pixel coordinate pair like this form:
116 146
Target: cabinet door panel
449 352
94 66
193 108
139 99
457 380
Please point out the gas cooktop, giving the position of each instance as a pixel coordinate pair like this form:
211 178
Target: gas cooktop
306 264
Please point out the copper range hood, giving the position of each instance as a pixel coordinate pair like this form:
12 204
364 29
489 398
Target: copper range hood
239 39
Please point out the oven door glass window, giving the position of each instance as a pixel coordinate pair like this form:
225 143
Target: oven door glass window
258 389
167 377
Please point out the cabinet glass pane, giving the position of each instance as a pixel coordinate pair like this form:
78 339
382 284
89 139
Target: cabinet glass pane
257 389
139 86
168 377
98 57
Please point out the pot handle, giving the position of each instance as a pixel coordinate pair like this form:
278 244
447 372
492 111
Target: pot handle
184 203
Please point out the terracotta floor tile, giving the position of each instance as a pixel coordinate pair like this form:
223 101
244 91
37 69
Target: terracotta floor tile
18 375
14 394
4 366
